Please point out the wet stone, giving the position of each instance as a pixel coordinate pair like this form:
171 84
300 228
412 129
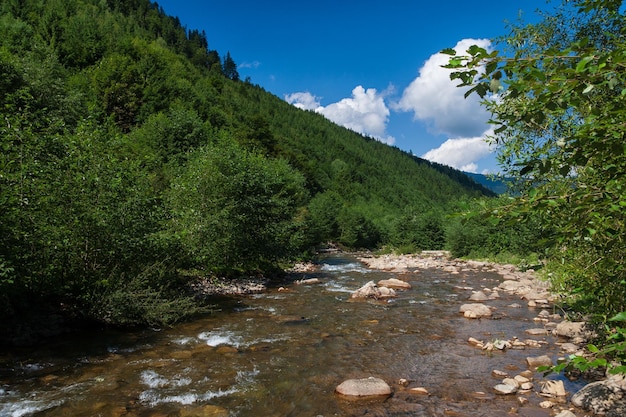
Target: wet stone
537 361
365 387
475 310
505 389
553 388
394 283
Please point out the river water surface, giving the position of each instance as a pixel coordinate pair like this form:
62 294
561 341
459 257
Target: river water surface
282 353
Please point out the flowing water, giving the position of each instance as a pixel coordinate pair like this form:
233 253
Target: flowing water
282 353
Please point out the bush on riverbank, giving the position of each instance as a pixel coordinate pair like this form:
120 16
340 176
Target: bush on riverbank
477 233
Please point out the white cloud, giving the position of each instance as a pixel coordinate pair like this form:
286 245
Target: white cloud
303 100
436 100
461 153
365 112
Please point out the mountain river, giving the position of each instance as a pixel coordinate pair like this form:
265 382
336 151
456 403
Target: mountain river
283 352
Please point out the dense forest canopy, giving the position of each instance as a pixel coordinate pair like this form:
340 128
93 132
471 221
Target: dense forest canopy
132 155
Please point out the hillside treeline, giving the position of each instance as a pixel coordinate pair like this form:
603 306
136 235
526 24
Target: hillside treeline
131 152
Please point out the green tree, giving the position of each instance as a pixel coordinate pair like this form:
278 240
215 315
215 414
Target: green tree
234 210
117 84
324 211
418 230
559 125
356 230
230 68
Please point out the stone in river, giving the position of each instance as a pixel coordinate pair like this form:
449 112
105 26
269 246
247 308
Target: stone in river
394 283
475 310
605 397
536 331
505 389
570 329
537 361
370 290
553 388
364 387
478 296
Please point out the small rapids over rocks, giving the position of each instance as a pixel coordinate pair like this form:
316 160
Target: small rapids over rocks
284 351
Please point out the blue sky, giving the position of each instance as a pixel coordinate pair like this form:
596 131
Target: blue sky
372 66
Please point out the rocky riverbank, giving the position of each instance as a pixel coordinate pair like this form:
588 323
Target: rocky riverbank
605 397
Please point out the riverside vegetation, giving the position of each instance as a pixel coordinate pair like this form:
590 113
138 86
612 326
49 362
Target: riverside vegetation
135 160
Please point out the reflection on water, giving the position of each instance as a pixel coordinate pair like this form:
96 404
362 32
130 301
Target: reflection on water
282 353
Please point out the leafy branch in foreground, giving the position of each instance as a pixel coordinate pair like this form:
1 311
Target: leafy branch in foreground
610 356
556 91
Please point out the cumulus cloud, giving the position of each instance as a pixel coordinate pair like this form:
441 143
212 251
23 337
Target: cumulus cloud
365 112
303 100
461 153
436 100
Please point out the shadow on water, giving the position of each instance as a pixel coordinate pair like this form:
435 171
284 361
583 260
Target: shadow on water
283 352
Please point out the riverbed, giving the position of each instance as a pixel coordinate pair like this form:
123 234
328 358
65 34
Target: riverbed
282 352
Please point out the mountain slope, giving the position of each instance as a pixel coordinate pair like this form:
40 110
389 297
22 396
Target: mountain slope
497 185
132 152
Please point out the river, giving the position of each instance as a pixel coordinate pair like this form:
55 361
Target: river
283 352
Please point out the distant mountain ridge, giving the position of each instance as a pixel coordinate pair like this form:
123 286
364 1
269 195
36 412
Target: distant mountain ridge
497 185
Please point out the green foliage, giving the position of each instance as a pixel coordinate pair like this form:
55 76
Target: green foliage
560 132
416 231
129 151
230 68
486 231
171 135
234 210
610 355
146 298
559 128
324 209
357 231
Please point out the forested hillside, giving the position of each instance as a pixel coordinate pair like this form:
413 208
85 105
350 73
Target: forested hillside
131 151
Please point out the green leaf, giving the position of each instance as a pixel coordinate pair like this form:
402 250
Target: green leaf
448 51
588 89
618 370
477 50
619 317
454 63
580 67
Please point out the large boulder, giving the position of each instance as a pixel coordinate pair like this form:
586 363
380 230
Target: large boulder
570 329
364 387
606 397
371 290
